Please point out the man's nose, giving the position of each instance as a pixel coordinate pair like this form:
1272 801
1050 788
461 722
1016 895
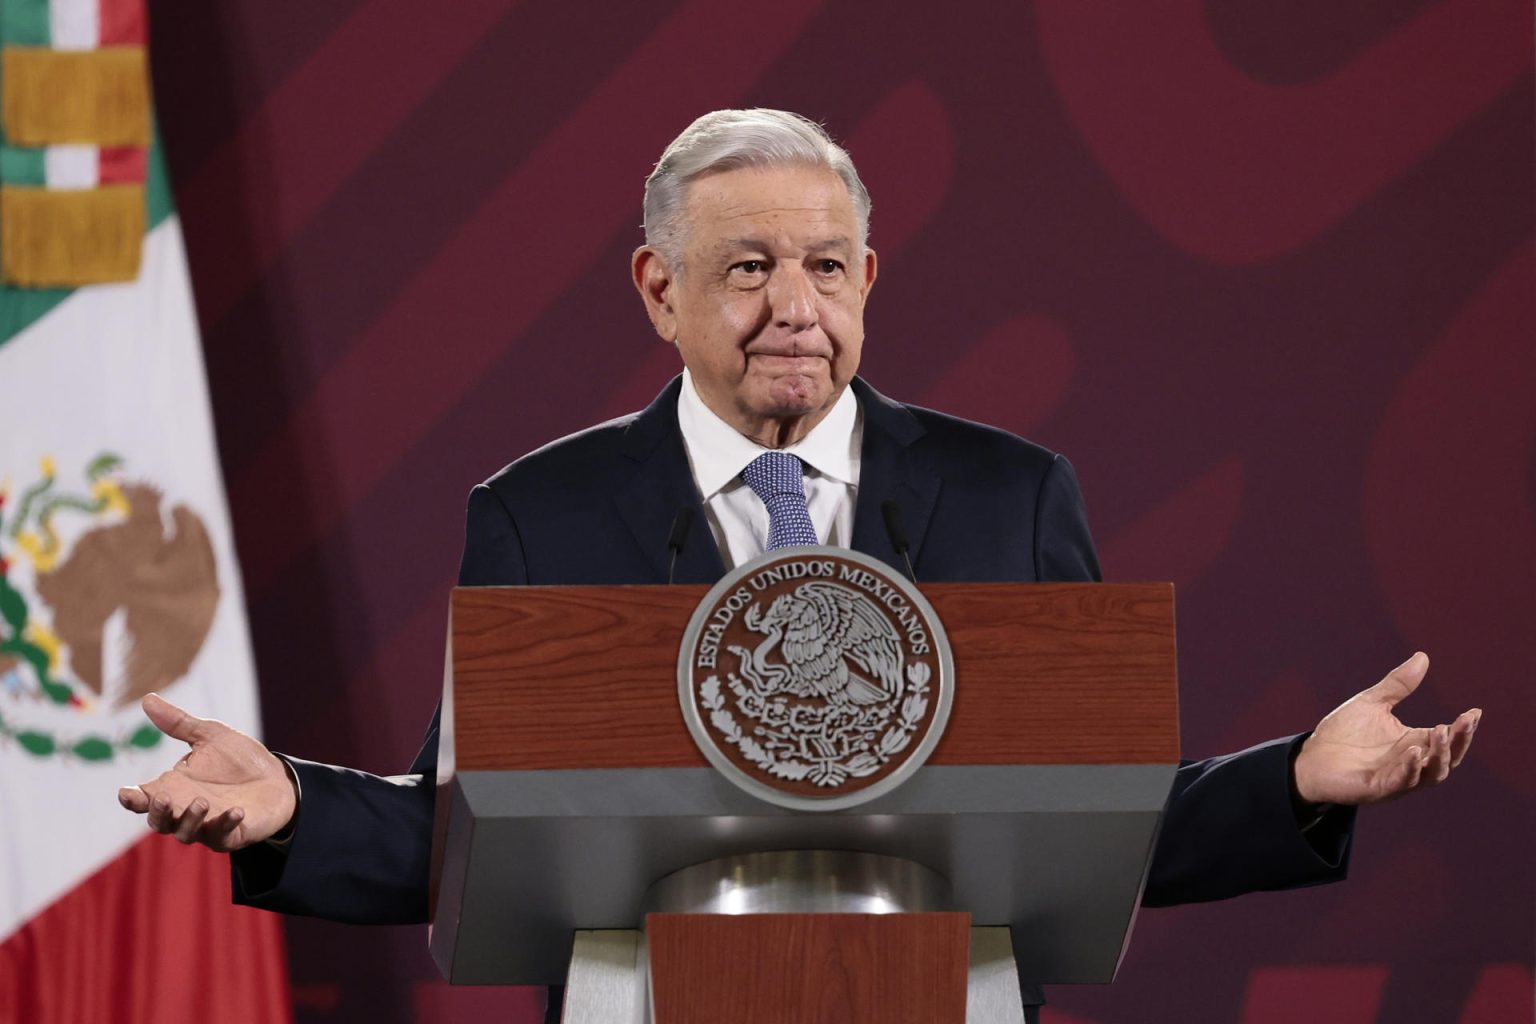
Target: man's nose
793 298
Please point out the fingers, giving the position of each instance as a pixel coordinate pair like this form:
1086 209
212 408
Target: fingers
1421 767
1438 764
222 832
1420 759
1443 749
1461 734
228 821
191 821
165 818
192 824
1412 767
173 721
1401 681
161 818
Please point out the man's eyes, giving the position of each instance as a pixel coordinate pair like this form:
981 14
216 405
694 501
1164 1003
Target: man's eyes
821 267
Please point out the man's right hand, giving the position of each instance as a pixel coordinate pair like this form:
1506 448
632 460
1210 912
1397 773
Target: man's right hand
228 792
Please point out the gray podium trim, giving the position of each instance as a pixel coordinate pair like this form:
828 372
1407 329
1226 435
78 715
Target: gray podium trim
696 792
1056 852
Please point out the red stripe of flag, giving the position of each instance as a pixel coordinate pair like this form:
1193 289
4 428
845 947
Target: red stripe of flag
122 165
149 939
122 23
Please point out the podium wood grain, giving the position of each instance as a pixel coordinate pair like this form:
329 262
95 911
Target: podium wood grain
585 677
808 968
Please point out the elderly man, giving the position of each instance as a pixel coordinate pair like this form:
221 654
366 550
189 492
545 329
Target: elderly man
755 266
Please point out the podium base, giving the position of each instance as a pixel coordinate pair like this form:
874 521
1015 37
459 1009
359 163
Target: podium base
609 979
802 935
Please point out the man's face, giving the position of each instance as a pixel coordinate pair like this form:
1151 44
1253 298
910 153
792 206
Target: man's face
768 311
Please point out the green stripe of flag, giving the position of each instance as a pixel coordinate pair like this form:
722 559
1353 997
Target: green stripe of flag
24 23
22 165
157 183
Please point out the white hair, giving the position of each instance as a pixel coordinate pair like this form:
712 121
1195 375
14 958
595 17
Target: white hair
726 140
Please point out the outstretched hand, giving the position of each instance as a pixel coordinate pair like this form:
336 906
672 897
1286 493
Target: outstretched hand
229 791
1361 754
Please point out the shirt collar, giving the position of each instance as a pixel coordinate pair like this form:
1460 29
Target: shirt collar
718 454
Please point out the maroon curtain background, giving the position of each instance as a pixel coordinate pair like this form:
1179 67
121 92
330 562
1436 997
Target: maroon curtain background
1265 272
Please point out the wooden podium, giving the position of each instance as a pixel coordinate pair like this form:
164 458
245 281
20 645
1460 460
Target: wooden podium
572 798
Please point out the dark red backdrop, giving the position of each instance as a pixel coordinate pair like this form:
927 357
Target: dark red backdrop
1265 272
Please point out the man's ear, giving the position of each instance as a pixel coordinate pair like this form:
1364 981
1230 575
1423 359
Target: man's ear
653 279
871 266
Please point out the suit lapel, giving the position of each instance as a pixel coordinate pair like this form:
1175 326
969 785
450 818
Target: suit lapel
661 485
887 473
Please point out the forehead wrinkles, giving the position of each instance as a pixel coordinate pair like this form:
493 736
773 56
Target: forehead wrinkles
755 219
727 237
790 207
742 219
750 191
739 210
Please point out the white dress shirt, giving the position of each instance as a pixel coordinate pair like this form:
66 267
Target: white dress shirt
737 516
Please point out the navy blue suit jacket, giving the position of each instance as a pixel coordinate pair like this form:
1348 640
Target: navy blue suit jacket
979 504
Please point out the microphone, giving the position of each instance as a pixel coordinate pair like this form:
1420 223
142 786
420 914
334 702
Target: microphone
895 530
680 524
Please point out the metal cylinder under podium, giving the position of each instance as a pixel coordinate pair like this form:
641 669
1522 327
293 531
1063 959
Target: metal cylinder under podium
802 882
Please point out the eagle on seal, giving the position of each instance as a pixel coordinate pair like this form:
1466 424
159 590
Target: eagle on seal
818 630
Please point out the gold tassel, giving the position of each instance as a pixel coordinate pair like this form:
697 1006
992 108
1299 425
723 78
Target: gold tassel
64 238
90 97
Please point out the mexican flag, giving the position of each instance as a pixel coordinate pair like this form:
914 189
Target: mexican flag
117 570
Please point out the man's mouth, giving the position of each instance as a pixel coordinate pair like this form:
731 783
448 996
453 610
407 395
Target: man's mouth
783 349
788 361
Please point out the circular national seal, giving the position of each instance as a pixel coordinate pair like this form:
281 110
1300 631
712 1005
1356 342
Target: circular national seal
815 678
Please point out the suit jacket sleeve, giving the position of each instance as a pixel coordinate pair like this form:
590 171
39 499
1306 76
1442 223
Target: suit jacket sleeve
362 846
1229 826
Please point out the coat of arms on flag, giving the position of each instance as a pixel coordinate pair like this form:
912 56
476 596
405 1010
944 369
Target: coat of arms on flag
99 606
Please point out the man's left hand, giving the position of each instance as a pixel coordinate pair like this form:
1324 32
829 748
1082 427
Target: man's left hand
1361 754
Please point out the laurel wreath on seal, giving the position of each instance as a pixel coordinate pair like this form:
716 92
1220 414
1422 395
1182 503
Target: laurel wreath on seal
822 772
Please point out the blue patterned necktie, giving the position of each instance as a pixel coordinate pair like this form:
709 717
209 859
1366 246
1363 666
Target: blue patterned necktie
778 478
